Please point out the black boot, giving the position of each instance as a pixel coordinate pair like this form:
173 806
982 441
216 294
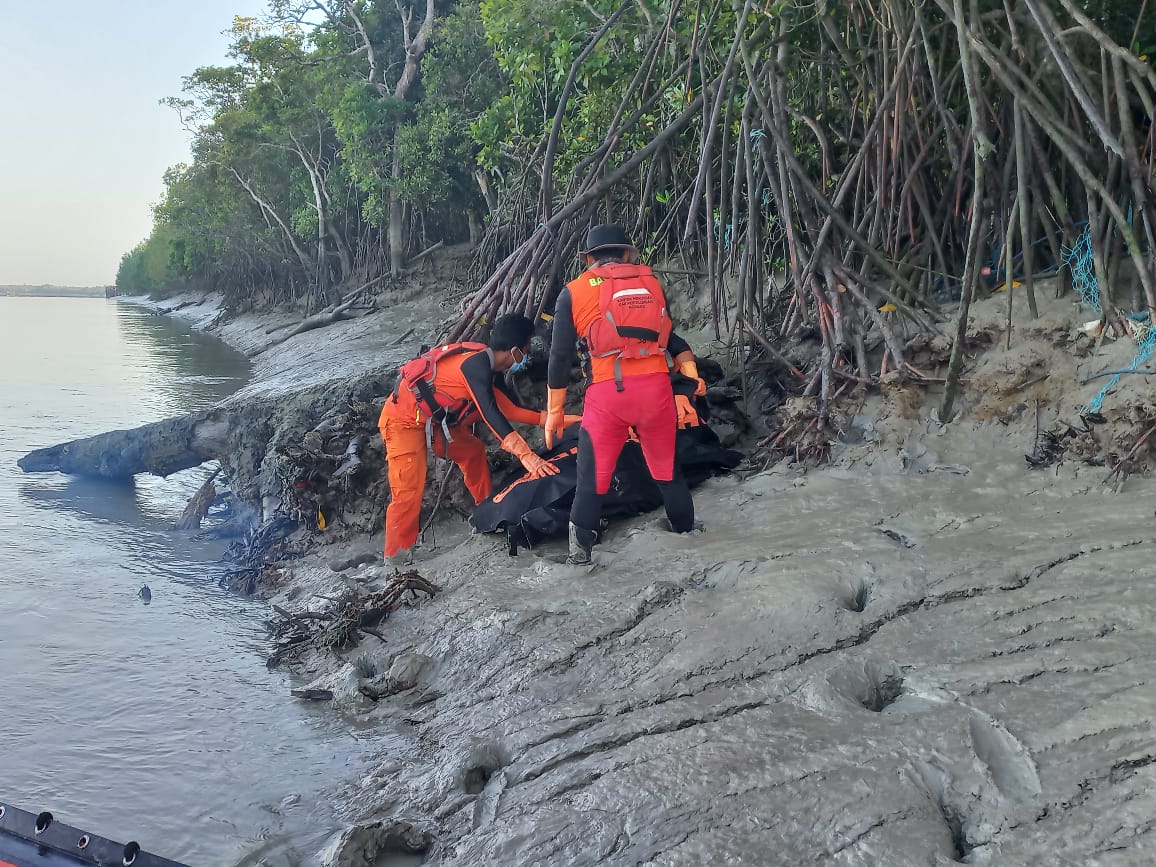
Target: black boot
581 542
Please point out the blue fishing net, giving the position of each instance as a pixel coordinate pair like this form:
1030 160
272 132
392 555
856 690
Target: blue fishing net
723 236
1078 259
758 135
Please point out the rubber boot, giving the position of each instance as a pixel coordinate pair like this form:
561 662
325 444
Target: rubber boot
581 543
402 559
696 527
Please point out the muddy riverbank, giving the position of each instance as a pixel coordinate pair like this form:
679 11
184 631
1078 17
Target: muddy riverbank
925 653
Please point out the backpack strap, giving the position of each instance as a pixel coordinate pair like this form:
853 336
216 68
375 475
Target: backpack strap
437 413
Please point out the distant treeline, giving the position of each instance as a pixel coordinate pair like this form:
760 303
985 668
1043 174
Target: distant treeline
55 291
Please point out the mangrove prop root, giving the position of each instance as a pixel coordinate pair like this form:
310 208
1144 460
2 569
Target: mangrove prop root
951 149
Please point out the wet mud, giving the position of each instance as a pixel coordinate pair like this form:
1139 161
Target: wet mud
927 653
795 685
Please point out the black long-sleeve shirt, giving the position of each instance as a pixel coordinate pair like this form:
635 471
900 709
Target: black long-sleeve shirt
494 403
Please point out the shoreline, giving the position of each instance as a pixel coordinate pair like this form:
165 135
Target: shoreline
886 657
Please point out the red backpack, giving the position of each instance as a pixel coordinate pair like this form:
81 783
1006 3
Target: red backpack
634 321
418 377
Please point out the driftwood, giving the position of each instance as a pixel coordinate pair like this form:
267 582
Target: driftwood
312 694
166 311
341 630
252 552
326 317
352 460
804 435
411 266
1123 466
1053 446
161 448
199 505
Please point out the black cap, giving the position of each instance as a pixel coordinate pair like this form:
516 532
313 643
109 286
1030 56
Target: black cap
606 237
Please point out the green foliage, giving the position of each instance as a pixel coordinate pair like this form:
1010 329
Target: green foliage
297 139
535 43
300 137
432 135
132 277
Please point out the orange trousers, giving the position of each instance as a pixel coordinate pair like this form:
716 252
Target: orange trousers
405 450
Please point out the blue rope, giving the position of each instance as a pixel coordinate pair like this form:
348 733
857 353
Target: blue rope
1078 258
724 236
1143 351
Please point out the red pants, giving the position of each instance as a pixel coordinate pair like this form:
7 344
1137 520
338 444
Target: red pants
646 404
405 450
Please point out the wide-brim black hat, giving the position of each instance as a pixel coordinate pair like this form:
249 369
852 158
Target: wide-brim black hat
606 237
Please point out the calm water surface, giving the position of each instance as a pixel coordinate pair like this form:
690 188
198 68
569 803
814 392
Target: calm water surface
158 723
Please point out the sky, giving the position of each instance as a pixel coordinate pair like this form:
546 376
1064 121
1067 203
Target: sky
84 142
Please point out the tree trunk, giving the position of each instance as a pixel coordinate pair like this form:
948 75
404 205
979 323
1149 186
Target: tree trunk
477 228
415 46
487 190
271 213
396 219
161 448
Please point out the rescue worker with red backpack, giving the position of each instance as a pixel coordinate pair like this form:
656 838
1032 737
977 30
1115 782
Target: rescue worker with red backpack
438 398
618 309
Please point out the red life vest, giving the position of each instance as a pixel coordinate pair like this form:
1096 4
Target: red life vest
419 377
633 319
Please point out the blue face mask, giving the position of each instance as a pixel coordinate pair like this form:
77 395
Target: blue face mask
520 366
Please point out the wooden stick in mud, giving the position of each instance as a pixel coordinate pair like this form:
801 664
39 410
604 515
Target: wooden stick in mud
199 505
1023 191
774 353
1131 454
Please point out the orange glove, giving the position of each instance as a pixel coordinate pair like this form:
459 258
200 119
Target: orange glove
567 420
688 367
537 466
687 416
555 422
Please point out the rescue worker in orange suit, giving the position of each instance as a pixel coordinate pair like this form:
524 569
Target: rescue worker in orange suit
463 379
629 384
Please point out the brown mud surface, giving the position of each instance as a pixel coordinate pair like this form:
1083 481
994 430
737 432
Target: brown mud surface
924 653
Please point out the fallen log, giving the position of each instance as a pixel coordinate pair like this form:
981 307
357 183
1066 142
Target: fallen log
161 449
412 265
326 317
312 694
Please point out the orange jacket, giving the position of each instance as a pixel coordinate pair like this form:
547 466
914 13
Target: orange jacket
584 310
469 376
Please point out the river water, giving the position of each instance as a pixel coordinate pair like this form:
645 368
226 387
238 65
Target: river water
157 722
